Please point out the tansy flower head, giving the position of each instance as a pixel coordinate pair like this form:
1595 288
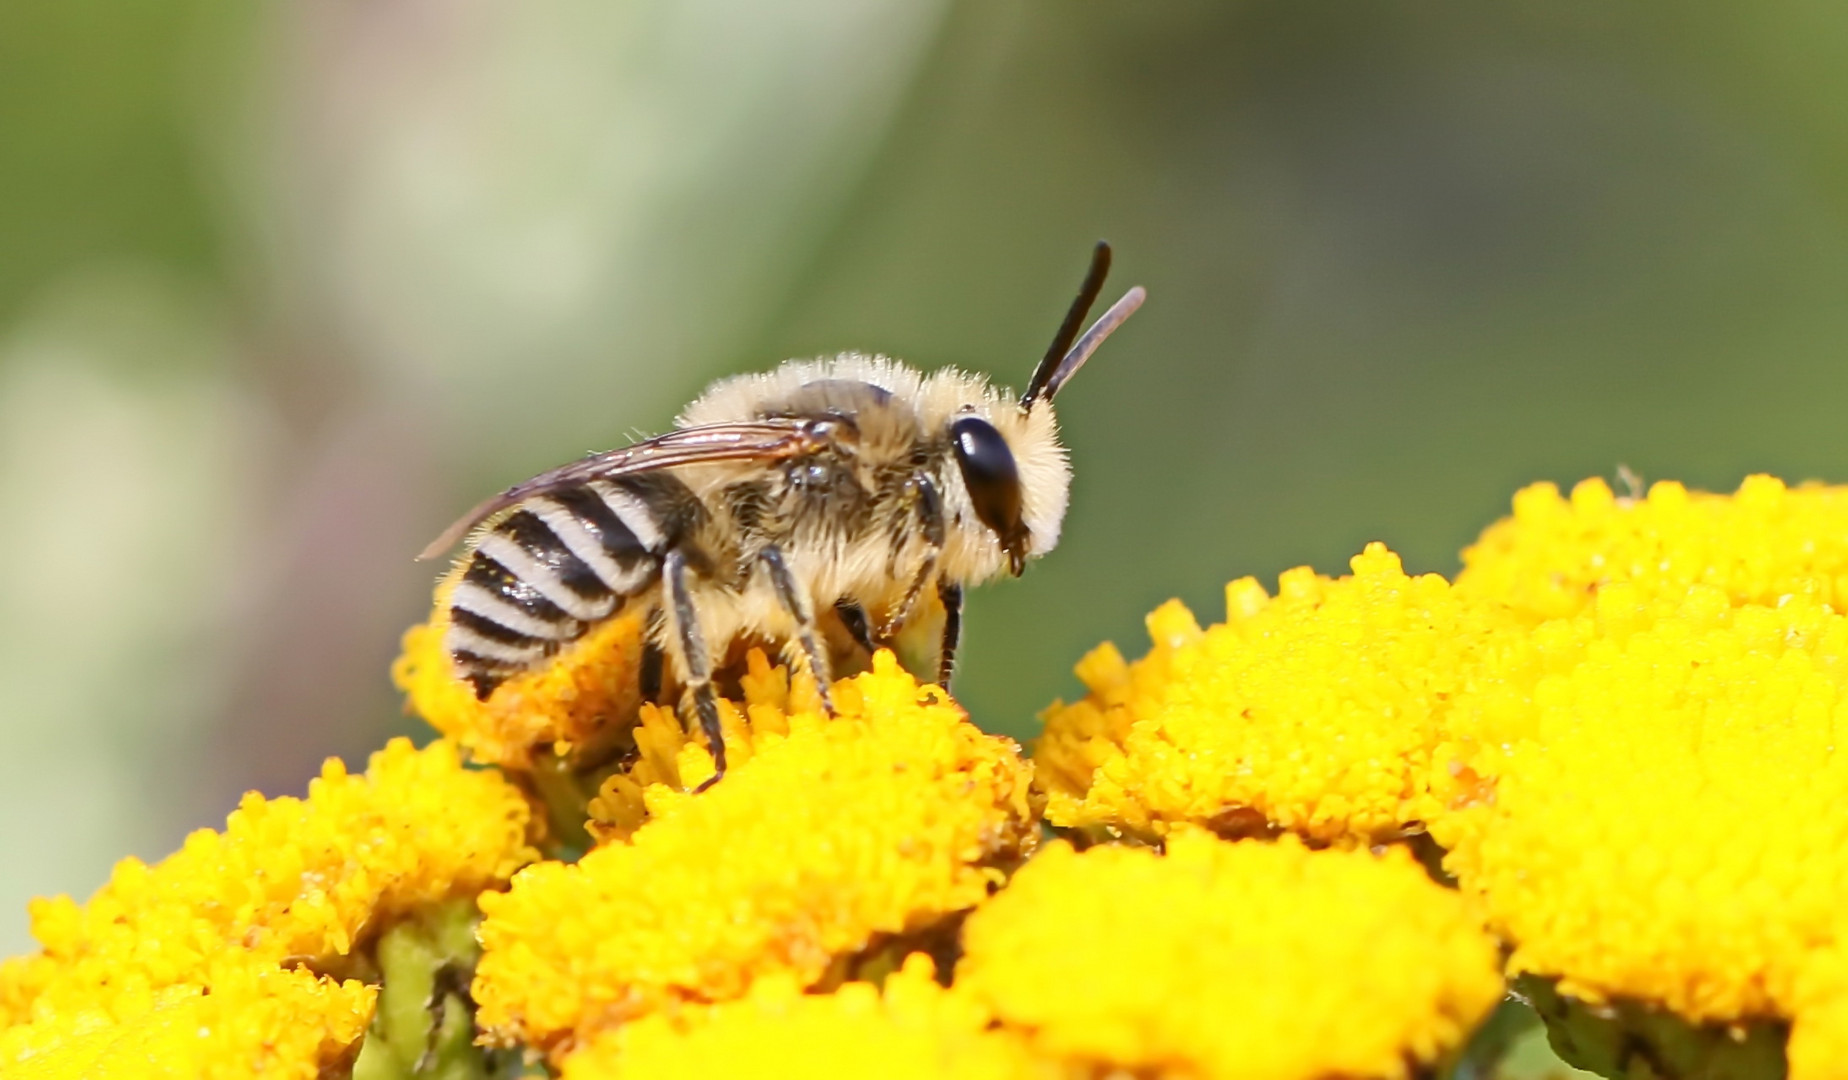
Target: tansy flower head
666 754
247 1019
1765 542
911 1029
843 832
1818 1044
1264 961
584 698
1670 829
288 880
1316 711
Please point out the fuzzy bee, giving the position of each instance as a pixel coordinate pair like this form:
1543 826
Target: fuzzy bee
846 486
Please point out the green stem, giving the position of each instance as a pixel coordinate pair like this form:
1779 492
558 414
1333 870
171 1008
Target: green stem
424 1025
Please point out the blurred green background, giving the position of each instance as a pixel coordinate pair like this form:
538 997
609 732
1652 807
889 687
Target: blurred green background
285 287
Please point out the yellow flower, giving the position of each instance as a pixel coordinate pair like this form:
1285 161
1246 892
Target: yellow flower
664 754
287 880
1670 827
913 1029
1759 545
1818 1047
583 698
1320 711
1621 722
819 843
1265 961
257 1021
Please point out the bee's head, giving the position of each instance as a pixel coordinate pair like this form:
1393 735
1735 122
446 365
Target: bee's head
1013 468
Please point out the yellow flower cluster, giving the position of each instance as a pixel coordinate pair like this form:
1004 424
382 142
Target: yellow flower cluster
583 697
1763 543
1666 819
257 1020
1818 1047
911 1029
1319 711
665 754
710 934
1620 723
1261 961
1672 829
198 956
827 836
1623 722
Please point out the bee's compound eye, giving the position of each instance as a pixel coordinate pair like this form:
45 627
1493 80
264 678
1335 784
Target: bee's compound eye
991 476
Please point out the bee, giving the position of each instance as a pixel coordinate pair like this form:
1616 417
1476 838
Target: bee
852 483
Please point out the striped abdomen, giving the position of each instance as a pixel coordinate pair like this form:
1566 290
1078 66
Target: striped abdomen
554 566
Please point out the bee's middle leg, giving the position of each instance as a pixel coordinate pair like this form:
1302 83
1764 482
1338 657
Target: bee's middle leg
952 597
796 602
698 661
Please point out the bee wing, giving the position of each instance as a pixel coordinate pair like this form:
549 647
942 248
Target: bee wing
761 440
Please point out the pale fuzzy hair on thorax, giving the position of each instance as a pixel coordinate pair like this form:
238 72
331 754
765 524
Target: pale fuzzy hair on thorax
936 399
737 397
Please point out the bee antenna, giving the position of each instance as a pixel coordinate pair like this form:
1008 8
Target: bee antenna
1040 385
1101 329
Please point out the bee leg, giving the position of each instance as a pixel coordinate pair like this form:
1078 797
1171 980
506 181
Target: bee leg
698 662
929 507
952 597
795 601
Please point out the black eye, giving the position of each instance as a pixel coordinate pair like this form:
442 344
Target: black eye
990 475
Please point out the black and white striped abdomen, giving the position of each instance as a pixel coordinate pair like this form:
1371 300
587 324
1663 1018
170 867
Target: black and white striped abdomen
554 566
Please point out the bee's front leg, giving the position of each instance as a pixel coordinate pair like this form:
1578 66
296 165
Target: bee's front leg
698 661
796 602
928 505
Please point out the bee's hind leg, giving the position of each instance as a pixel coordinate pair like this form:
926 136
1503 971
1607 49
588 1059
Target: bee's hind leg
795 600
698 662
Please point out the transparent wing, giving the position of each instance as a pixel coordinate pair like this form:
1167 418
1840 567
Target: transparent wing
762 440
